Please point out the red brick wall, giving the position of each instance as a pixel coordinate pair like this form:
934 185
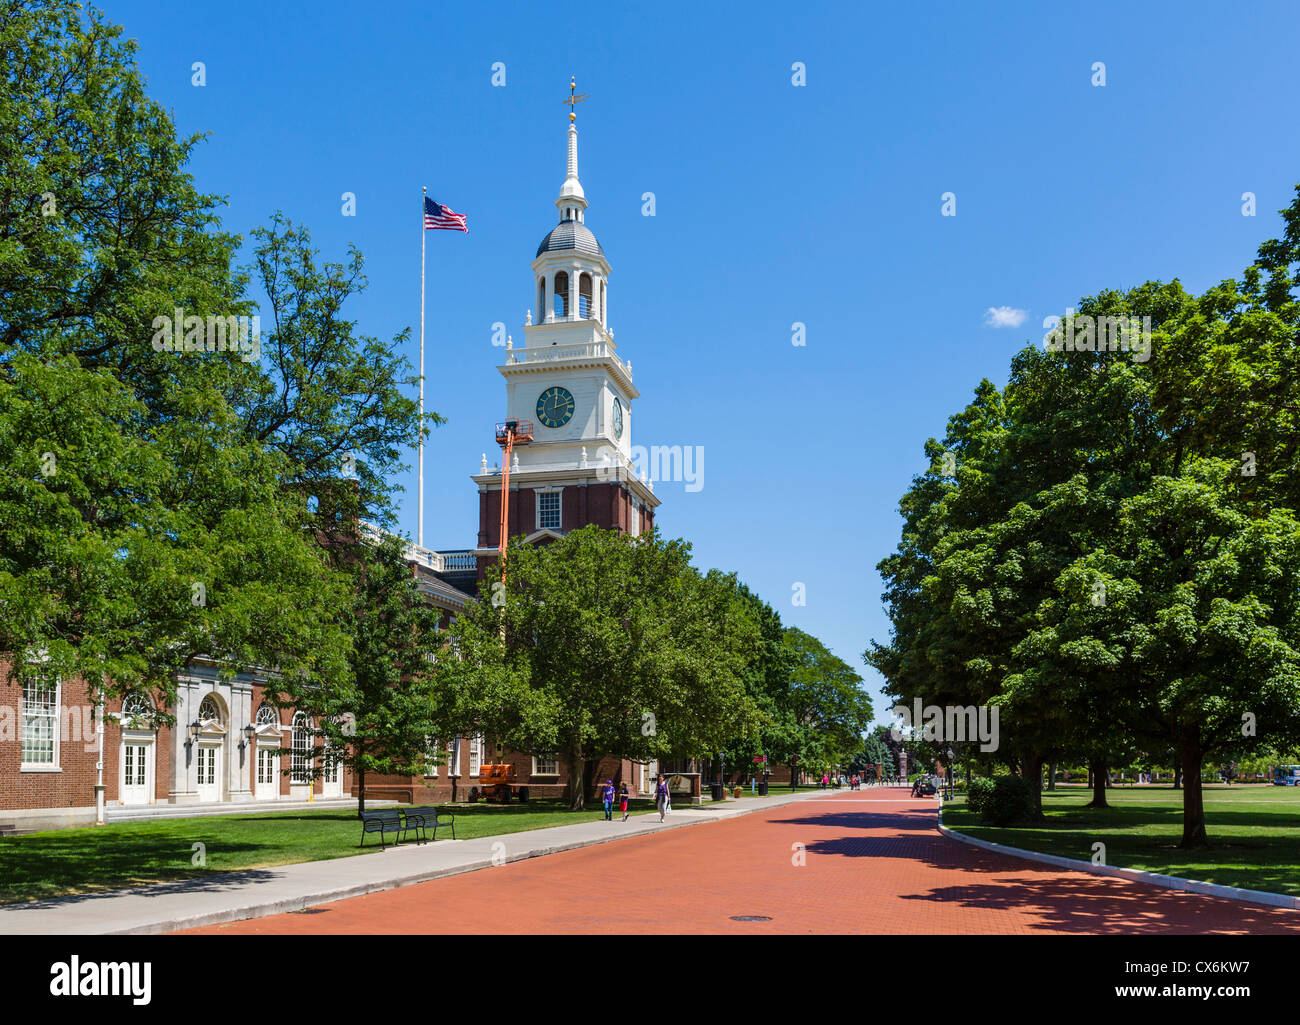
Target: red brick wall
606 505
74 785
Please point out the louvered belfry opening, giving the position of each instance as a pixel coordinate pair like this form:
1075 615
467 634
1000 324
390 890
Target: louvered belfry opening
562 293
584 296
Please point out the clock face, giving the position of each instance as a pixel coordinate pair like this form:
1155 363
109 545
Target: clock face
555 407
618 418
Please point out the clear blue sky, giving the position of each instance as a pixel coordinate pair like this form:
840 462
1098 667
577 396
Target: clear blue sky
775 204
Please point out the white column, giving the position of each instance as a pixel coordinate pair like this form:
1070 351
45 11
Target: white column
573 289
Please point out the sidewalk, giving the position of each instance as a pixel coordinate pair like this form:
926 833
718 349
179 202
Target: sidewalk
229 897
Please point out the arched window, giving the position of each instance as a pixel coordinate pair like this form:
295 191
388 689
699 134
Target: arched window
209 710
135 704
541 297
137 710
301 772
267 716
562 293
584 295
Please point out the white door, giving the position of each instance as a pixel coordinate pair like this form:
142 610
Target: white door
268 774
332 778
208 782
137 772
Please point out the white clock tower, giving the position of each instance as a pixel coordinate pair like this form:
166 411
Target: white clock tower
570 383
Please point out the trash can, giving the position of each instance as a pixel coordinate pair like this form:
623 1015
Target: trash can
718 791
762 788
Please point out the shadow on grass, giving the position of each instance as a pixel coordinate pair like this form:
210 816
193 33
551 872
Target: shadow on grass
81 862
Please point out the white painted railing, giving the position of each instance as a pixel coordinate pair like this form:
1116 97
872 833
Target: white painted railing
440 562
550 353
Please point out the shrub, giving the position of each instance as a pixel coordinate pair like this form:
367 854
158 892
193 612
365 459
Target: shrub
1011 800
981 791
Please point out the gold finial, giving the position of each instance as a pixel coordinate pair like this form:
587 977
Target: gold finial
573 99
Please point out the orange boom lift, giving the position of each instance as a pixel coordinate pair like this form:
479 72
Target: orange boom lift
509 434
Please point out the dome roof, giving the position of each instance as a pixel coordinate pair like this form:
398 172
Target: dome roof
571 235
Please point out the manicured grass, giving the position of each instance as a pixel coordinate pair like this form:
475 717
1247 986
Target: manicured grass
73 861
1254 832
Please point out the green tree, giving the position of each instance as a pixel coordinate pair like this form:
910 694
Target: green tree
383 718
180 477
601 644
823 713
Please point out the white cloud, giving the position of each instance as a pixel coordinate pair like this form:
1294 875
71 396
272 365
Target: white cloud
1005 316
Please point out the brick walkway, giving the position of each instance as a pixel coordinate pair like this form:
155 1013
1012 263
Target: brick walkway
874 863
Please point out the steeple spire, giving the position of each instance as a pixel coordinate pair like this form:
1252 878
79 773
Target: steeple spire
572 200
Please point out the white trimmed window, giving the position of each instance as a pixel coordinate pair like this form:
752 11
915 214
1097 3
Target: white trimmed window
40 736
636 519
547 765
333 759
453 757
475 755
137 711
267 716
431 753
548 510
209 710
265 766
300 773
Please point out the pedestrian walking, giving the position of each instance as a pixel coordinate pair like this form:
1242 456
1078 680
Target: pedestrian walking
609 800
661 797
623 796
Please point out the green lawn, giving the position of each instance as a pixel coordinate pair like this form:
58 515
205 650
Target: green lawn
71 861
1254 832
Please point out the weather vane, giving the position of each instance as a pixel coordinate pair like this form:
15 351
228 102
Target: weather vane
573 99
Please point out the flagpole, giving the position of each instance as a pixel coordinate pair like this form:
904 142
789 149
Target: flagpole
419 532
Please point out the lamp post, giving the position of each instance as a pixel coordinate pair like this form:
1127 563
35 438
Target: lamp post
951 756
99 763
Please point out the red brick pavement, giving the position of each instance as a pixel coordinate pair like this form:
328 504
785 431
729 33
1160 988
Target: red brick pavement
875 863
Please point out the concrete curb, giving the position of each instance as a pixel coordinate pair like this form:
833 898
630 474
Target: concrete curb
12 917
1277 900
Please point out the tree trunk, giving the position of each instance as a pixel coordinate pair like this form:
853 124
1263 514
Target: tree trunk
577 789
361 790
1099 771
1178 773
1051 777
794 774
1193 801
1032 766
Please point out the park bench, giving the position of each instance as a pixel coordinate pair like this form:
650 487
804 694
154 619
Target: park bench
422 819
383 821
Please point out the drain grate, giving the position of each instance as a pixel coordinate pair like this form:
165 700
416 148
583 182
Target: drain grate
751 918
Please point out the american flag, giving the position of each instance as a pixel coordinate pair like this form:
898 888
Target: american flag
442 217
